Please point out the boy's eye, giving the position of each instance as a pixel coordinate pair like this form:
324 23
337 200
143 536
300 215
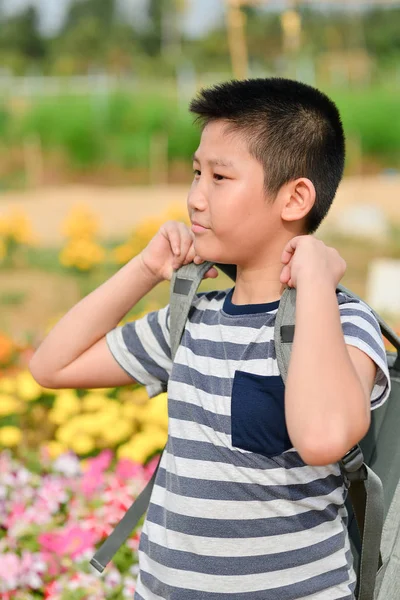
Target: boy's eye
218 177
196 172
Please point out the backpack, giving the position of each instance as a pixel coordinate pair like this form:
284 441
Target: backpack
371 468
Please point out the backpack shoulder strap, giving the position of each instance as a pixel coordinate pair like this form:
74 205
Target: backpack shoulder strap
184 284
284 330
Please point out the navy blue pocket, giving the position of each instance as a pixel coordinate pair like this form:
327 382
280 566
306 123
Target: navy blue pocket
258 414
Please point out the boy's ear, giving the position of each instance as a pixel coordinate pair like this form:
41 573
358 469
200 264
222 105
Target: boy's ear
297 199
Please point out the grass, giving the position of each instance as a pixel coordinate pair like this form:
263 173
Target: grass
372 116
117 129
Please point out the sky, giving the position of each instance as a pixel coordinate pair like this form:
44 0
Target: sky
201 15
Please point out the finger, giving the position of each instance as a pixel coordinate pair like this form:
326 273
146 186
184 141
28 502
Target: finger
171 231
186 239
285 274
289 250
190 255
211 273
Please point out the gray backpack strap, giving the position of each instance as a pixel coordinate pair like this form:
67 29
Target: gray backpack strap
366 490
387 587
184 284
284 330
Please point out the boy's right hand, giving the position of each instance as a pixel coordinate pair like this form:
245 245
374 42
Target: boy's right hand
169 249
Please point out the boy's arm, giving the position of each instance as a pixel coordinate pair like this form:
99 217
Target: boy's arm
328 388
329 383
75 354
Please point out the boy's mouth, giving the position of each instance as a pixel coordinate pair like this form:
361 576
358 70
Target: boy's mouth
197 228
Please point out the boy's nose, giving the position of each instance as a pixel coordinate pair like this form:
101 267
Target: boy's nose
196 200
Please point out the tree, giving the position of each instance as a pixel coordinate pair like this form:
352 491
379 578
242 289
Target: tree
20 34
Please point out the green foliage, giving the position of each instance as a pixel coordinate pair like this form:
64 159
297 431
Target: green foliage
373 117
20 34
96 130
124 559
117 129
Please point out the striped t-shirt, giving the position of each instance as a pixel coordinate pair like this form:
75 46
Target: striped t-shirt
235 513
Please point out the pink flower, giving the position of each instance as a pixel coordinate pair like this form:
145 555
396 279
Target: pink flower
53 564
52 590
151 467
91 482
133 542
17 517
101 462
97 526
53 494
9 571
127 469
32 567
129 587
117 493
71 542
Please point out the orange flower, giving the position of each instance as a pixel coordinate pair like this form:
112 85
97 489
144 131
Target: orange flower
6 349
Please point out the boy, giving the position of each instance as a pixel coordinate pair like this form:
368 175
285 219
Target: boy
249 499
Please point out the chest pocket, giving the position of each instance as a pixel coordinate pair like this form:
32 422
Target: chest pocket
258 414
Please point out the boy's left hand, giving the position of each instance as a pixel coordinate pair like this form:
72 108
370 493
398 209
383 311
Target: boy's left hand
306 258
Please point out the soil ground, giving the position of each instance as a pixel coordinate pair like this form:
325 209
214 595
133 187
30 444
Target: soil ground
120 209
43 297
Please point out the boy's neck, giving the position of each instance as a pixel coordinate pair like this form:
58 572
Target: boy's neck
258 285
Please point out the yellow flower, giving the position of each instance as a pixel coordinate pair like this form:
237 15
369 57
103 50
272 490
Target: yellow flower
129 411
66 432
55 448
9 405
82 253
8 385
123 253
94 401
27 388
143 445
58 417
67 401
82 444
17 227
10 436
118 432
154 412
81 223
158 411
66 405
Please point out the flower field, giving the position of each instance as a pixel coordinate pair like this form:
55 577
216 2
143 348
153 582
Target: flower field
71 463
54 516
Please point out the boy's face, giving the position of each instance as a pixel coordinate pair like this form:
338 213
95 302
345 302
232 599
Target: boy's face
227 197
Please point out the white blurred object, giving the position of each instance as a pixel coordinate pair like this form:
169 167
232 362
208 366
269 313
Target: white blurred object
362 220
383 285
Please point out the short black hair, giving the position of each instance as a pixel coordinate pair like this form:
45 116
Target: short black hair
292 129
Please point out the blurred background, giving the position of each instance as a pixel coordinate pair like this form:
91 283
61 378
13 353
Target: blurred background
95 153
